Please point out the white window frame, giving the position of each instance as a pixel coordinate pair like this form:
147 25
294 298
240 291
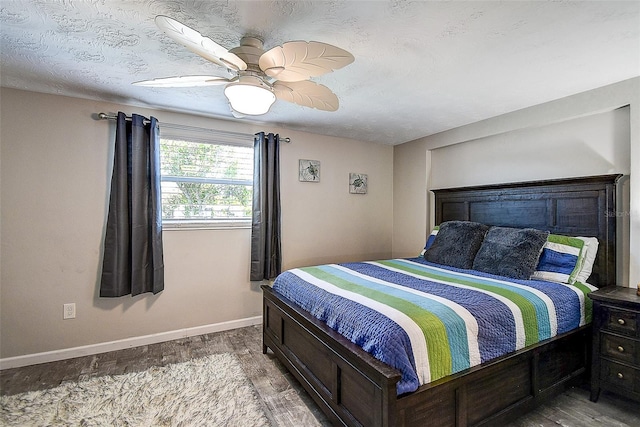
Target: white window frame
205 136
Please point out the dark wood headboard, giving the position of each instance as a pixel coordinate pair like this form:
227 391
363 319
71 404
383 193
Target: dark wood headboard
574 207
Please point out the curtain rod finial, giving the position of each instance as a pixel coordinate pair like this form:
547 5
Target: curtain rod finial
103 116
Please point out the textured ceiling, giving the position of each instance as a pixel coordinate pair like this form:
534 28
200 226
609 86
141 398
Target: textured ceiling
420 67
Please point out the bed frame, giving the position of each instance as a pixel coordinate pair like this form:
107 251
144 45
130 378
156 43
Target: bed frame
354 389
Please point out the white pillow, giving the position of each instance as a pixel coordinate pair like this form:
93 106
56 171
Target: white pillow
430 239
591 246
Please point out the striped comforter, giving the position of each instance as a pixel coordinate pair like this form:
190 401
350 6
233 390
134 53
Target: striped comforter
430 321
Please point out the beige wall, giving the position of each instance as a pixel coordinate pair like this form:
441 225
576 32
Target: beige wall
411 175
323 222
55 172
592 145
581 135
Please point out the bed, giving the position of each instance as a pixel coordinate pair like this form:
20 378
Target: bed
354 388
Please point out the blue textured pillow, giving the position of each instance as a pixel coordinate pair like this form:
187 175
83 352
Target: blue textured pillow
456 243
510 252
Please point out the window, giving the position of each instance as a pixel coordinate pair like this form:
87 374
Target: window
205 183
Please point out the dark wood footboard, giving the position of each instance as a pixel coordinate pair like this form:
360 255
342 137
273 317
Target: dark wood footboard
497 392
350 386
355 389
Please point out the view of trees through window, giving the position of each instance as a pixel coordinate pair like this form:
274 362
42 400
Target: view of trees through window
205 181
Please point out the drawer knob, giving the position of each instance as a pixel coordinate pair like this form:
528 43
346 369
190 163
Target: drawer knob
621 321
620 375
621 349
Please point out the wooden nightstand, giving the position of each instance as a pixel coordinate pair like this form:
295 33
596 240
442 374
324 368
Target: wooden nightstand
615 363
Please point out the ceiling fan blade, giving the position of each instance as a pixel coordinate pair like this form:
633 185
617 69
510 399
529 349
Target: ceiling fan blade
307 94
300 60
183 81
197 43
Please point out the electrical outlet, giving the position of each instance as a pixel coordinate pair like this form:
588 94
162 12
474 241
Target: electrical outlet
69 311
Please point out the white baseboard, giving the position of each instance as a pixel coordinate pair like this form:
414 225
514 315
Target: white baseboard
86 350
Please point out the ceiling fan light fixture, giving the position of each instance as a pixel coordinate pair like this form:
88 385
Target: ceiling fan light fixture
259 77
250 96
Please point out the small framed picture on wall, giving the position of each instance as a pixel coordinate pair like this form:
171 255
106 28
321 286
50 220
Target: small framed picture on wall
309 170
357 183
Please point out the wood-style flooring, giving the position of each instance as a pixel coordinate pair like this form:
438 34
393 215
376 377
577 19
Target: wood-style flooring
285 402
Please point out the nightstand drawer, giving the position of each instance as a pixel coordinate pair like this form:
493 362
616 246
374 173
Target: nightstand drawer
620 348
620 376
615 355
622 321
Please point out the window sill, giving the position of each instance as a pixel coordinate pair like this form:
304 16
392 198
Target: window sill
205 225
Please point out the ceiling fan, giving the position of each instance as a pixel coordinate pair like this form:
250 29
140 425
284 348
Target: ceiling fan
259 77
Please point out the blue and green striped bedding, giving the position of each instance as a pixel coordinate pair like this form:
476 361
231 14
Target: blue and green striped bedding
429 321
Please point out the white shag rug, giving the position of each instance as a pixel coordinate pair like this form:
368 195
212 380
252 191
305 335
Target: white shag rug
211 391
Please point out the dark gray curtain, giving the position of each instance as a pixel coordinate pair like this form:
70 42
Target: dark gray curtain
133 259
266 257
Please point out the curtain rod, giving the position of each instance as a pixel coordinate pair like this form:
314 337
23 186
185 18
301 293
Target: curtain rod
105 116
